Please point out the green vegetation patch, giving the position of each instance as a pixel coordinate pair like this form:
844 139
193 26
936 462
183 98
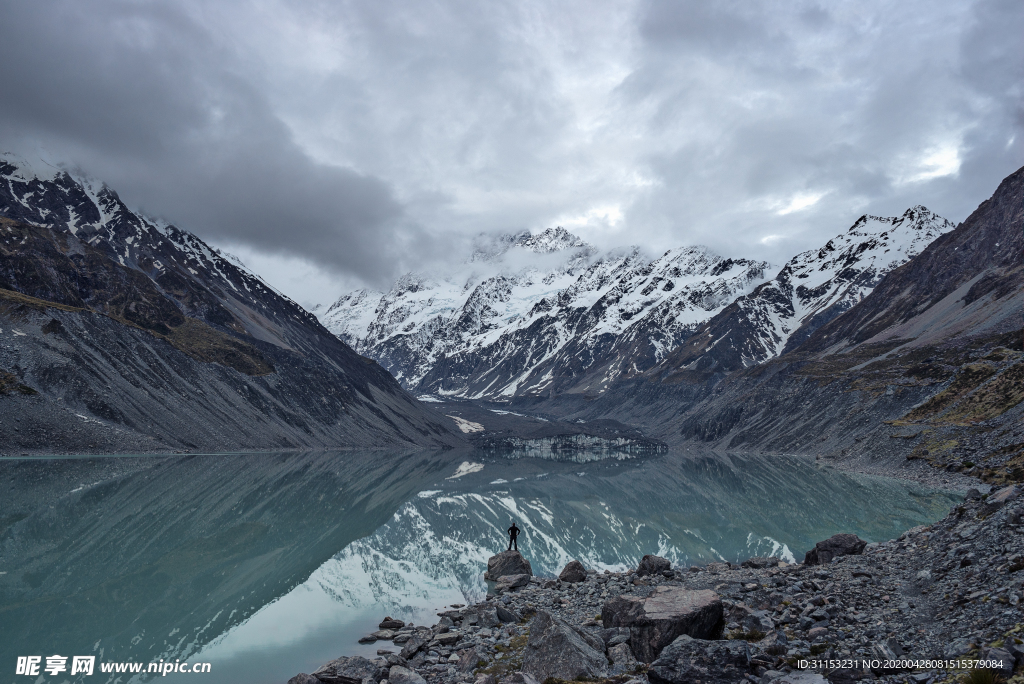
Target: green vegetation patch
203 343
11 297
10 384
511 658
969 377
990 400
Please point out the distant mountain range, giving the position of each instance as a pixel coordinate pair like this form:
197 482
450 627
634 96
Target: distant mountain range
927 366
124 333
547 314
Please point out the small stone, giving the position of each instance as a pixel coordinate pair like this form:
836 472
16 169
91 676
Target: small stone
390 623
816 633
368 639
760 562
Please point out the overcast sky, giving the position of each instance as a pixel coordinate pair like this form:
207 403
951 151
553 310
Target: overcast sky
332 144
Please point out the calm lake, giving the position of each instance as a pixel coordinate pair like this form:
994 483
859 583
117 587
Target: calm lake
267 565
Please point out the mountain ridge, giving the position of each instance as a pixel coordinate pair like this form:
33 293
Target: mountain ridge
604 317
142 337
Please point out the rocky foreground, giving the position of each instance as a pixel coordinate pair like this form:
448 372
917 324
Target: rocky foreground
916 609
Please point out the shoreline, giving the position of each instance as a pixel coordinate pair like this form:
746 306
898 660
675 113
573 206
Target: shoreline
944 592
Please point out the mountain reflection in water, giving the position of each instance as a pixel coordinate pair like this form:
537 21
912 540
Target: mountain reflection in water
270 564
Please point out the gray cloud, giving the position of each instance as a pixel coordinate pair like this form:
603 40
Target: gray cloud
367 138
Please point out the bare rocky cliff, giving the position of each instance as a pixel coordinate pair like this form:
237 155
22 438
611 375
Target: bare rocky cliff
119 333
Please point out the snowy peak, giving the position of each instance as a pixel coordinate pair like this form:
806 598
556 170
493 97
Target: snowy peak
812 289
508 326
204 283
551 240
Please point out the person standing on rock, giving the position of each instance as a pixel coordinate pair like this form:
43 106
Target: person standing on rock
513 533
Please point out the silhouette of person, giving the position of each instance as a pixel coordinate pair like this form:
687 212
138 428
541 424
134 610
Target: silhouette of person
513 532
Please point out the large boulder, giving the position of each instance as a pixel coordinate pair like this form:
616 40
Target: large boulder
573 572
622 659
403 675
688 660
555 649
656 621
303 678
414 644
652 565
485 615
469 659
833 547
511 582
351 670
996 501
507 563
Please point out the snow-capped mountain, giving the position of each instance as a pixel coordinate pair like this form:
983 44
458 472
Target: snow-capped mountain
535 314
168 297
812 289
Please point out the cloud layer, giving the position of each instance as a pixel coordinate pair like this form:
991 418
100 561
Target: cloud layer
355 140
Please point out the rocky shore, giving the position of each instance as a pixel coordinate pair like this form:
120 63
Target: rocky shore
897 611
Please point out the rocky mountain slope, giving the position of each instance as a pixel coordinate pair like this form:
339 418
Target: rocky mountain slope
119 332
929 365
812 289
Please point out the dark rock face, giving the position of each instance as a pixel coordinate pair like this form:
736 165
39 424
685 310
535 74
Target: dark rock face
622 658
836 545
999 499
573 572
555 649
654 622
403 675
687 660
102 290
350 670
414 644
774 643
652 565
303 678
507 563
509 582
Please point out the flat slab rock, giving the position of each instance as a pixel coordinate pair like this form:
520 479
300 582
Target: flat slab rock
687 660
507 563
350 670
656 621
